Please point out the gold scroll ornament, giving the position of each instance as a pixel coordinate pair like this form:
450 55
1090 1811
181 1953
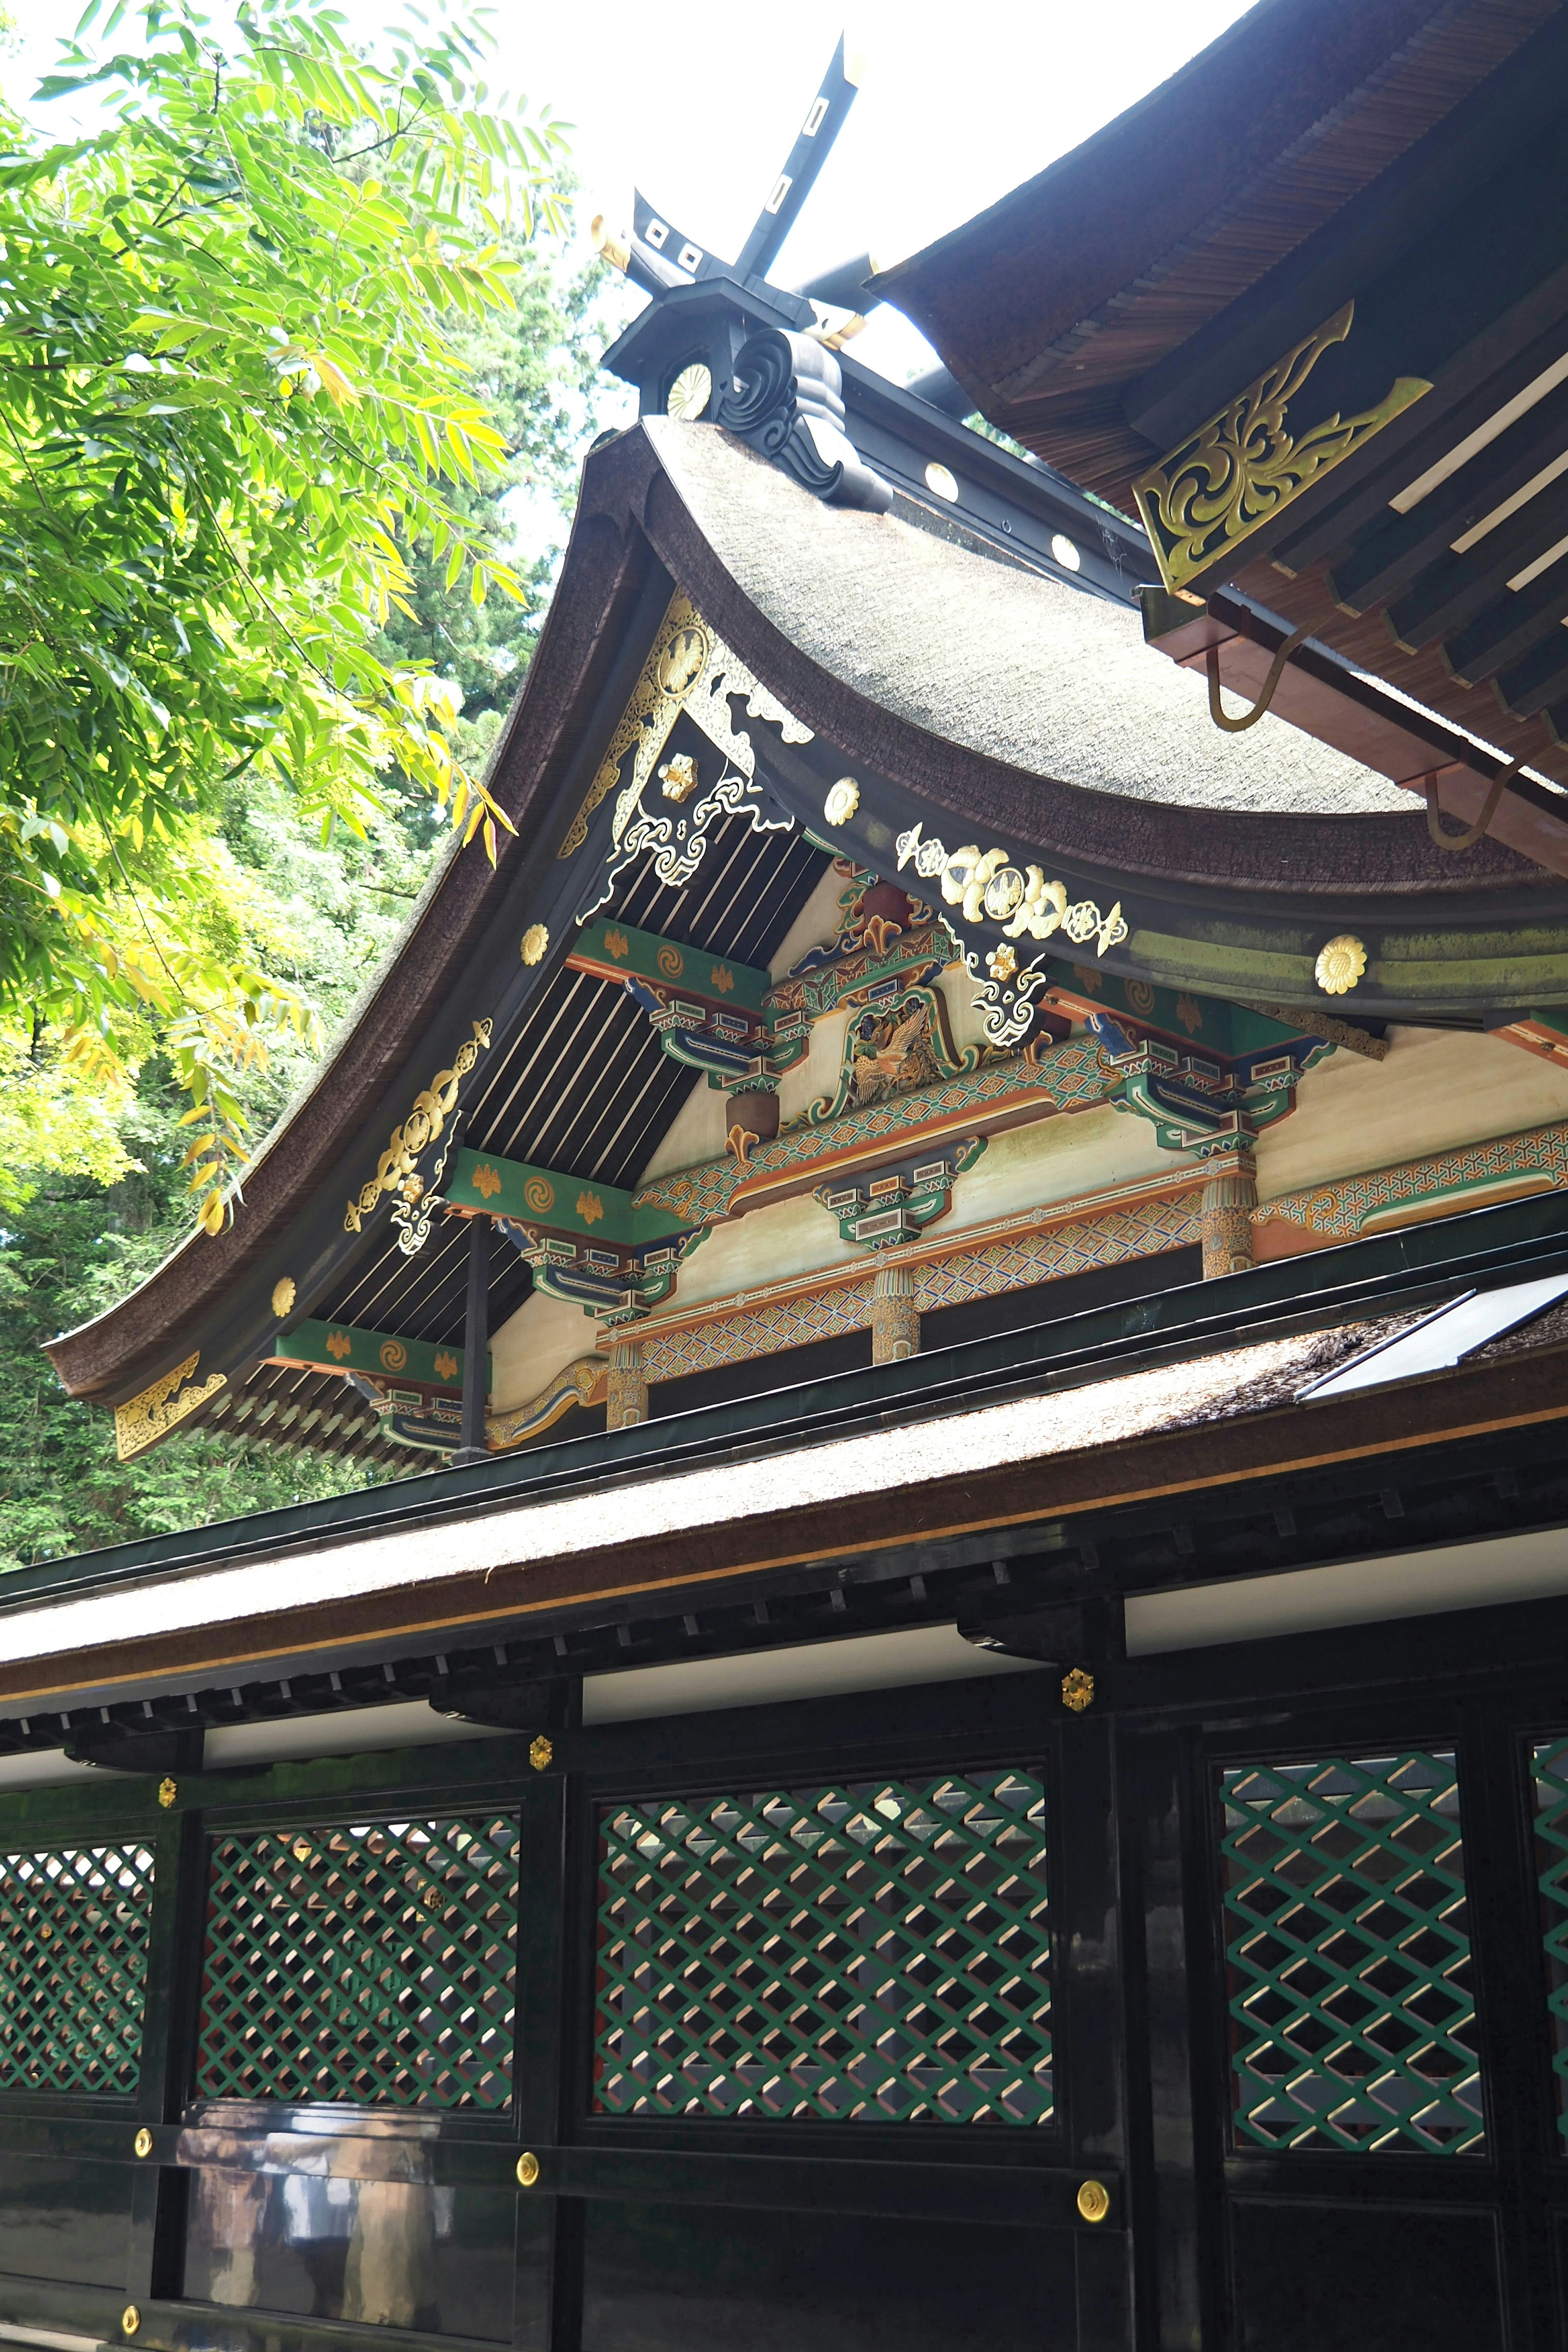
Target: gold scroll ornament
141 1423
431 1110
1239 469
692 668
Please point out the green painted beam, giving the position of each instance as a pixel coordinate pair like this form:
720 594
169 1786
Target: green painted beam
618 951
560 1204
344 1348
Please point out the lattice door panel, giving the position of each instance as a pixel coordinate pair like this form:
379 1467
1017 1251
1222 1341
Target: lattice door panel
371 1964
1549 1769
879 1951
1353 2021
74 1923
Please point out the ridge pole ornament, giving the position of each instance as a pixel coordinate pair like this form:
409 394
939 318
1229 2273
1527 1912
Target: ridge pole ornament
788 405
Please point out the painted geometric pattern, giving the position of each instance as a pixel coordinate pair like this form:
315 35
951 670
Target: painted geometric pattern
371 1964
73 1966
1068 1075
1352 2020
760 1332
1549 1766
1140 1231
878 1951
1342 1208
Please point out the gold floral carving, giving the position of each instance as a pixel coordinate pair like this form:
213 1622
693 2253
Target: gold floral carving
431 1110
690 668
1340 965
158 1409
283 1296
1077 1689
1237 470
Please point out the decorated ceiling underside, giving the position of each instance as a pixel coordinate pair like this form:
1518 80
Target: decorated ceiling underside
691 1149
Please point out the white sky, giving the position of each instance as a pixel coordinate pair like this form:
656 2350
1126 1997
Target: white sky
699 107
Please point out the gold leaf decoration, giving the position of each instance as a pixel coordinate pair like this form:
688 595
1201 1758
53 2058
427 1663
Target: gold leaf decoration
141 1422
1077 1689
535 943
1243 466
283 1296
431 1110
1340 965
689 668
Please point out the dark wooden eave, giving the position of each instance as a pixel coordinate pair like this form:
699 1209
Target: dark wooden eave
1410 159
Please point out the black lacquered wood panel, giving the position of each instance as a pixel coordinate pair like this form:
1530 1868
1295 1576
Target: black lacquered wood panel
66 2221
665 2278
398 2253
1344 2278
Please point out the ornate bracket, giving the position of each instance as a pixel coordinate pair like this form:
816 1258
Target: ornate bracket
614 1282
788 405
1196 1101
894 1200
587 1243
709 1011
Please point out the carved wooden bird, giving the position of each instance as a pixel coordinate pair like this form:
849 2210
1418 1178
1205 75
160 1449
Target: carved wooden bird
884 1070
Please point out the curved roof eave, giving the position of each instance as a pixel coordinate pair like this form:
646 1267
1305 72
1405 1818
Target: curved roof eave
757 554
128 1343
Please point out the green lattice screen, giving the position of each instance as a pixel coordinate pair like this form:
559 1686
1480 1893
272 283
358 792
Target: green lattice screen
73 1966
1352 2020
1549 1766
878 1951
371 1964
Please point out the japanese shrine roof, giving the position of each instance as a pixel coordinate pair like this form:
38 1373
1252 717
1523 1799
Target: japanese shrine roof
960 684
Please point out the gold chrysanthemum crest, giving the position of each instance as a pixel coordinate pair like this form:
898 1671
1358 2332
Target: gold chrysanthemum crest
1340 965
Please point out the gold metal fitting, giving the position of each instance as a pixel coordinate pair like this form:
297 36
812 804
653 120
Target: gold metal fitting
611 247
129 2320
526 2168
540 1752
167 1792
1077 1689
143 2142
1094 2201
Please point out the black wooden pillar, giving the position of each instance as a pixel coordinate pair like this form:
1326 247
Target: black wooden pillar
471 1445
155 2252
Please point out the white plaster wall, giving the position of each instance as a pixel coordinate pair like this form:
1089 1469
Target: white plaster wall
816 926
1055 1159
533 1345
696 1133
1437 1089
795 1236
